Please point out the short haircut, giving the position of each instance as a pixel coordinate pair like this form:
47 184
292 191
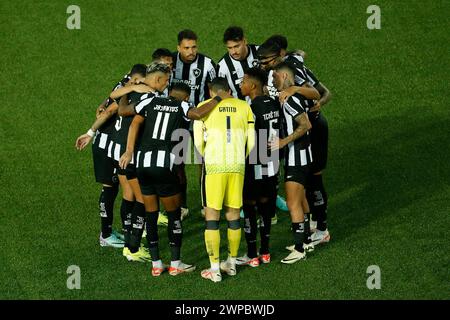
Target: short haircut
280 40
257 74
140 69
286 66
161 52
267 49
186 34
158 67
233 34
219 83
182 87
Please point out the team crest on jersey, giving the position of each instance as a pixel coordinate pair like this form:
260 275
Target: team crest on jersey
255 63
196 72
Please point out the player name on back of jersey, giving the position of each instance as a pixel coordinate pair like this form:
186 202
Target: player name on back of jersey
271 115
165 108
227 109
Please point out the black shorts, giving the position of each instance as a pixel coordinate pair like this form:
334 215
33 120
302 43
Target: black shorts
263 188
104 169
299 174
158 181
129 171
319 143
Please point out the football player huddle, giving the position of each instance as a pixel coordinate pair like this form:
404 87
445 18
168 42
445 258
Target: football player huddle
253 113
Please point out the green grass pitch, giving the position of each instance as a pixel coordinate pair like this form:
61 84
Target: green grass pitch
387 177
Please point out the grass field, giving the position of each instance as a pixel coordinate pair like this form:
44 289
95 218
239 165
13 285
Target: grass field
387 177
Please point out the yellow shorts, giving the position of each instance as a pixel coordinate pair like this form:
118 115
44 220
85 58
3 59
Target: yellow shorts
223 189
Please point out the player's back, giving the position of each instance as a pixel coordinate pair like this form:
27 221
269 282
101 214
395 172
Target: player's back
226 129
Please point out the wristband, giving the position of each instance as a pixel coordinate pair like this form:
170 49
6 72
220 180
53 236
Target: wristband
90 133
217 98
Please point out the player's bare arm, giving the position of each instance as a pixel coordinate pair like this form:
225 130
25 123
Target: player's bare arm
125 159
325 96
83 140
303 126
120 92
201 112
101 108
307 90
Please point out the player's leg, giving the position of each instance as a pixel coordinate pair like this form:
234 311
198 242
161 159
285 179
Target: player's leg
307 243
295 193
317 195
250 232
137 215
213 188
266 209
135 251
232 203
151 202
181 171
250 221
105 174
126 207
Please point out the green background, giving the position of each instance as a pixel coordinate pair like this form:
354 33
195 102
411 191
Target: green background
387 176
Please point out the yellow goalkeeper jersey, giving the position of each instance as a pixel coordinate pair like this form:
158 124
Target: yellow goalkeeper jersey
225 136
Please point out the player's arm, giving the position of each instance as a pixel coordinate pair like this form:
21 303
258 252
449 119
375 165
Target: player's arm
325 96
83 140
306 90
101 108
120 92
125 159
201 112
303 126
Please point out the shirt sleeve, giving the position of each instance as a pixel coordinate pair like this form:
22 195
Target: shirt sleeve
312 79
185 106
140 107
294 107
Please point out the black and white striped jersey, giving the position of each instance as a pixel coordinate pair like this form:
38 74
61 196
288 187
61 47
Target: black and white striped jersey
196 74
118 143
233 70
103 134
162 117
298 152
263 163
300 74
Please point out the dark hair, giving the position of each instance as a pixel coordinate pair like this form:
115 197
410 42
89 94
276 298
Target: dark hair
186 34
219 83
233 34
258 74
161 52
286 66
158 67
139 69
280 40
268 48
181 86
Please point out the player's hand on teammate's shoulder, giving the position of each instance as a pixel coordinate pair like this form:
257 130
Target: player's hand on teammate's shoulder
125 159
285 94
82 141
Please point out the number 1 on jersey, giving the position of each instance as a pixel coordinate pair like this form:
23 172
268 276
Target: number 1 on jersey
228 129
